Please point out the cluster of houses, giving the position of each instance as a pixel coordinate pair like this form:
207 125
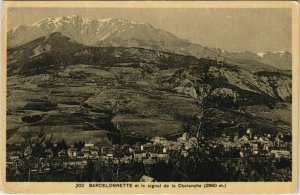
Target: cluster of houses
252 145
160 149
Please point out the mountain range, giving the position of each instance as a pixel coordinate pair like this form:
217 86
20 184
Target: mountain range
81 92
121 33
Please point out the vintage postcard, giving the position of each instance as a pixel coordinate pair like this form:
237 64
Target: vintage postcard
149 97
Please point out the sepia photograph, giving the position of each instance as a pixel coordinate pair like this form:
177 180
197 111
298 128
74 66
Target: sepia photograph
150 94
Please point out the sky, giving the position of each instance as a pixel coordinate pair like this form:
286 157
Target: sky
242 29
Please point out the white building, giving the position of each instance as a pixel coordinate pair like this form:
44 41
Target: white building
89 145
72 152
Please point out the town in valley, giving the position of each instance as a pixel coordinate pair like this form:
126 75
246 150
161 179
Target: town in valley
246 157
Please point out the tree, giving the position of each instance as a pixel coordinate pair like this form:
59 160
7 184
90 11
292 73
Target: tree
62 145
79 145
34 147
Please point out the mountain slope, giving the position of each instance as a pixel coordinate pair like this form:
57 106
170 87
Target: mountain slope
121 33
57 51
96 92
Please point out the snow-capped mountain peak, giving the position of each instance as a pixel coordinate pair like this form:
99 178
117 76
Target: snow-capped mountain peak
280 59
88 31
261 54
